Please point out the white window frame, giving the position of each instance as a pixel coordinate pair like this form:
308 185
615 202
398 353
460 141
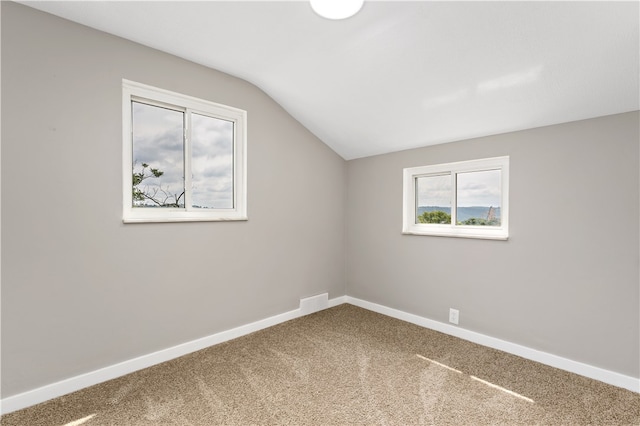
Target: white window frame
409 225
132 91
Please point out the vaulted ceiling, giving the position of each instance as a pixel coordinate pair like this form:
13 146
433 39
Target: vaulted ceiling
400 75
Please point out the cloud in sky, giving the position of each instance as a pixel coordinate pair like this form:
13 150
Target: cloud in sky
212 162
479 188
158 142
434 191
473 189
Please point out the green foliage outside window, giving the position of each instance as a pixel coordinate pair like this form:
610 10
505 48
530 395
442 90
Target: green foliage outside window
440 217
475 221
437 216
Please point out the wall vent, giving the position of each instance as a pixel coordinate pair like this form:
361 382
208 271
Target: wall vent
312 304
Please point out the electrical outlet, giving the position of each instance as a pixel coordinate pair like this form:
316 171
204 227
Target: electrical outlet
453 315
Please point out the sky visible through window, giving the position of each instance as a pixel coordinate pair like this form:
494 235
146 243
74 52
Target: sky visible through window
475 189
212 162
158 142
479 189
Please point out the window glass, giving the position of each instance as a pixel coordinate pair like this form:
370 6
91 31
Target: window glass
158 156
433 199
212 162
478 196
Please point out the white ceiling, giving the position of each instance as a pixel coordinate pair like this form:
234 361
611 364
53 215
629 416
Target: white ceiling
401 75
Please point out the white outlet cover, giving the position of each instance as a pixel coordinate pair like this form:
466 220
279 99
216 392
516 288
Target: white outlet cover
454 315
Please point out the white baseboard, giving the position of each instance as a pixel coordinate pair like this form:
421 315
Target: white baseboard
600 374
63 387
337 301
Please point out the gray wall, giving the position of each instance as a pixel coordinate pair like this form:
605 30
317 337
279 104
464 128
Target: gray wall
81 290
565 283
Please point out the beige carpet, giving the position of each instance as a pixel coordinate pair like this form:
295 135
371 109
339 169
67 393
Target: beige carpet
343 366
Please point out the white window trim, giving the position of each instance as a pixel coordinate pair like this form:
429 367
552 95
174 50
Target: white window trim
409 225
132 90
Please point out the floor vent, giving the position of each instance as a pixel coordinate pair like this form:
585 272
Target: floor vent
312 304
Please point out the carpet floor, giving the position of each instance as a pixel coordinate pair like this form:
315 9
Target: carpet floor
342 366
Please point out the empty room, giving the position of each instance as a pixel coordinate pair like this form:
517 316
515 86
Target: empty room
320 213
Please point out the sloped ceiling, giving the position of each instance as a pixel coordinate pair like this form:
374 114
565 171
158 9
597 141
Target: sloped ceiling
401 75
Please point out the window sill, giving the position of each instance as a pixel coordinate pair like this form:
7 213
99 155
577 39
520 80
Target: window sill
171 220
483 234
144 217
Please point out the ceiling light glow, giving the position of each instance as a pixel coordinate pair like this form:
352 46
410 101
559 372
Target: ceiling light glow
336 9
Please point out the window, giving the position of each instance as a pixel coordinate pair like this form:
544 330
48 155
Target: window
184 159
464 199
